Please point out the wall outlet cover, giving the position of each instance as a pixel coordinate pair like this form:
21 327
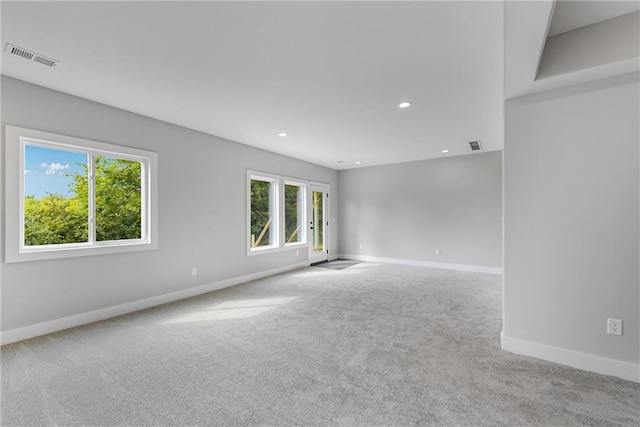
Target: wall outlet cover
614 326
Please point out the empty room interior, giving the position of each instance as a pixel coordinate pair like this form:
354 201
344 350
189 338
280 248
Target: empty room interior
320 213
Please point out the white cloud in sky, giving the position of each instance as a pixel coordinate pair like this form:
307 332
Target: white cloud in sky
53 168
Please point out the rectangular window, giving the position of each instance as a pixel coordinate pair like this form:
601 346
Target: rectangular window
263 213
76 197
294 203
276 213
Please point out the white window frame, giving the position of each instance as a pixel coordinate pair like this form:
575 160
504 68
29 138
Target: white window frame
15 250
302 213
274 203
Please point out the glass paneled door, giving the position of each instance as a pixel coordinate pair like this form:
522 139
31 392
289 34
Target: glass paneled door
318 223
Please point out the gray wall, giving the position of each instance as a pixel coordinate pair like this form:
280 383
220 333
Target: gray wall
202 217
406 211
572 218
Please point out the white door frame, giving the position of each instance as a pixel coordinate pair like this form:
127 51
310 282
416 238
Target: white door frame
318 256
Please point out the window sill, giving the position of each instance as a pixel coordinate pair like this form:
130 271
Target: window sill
264 250
39 254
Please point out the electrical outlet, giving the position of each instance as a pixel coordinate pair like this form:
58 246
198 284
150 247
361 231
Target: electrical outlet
438 252
297 253
614 326
194 271
361 245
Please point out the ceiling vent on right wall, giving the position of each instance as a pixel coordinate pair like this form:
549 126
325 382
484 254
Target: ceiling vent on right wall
30 55
475 145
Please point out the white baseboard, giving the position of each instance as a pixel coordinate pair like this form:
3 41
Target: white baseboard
575 359
31 331
446 266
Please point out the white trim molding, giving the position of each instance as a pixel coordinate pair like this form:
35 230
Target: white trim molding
575 359
419 263
44 328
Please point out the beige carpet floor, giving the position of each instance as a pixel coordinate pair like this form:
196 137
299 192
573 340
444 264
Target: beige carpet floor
369 345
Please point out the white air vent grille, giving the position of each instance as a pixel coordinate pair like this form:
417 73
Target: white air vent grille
45 61
30 55
475 145
21 52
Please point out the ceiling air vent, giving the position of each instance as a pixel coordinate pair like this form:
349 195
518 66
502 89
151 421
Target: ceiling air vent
30 55
475 145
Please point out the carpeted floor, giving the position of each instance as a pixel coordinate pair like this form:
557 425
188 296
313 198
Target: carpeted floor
373 344
338 264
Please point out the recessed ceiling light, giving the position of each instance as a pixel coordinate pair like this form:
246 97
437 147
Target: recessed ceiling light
282 134
445 151
404 104
358 163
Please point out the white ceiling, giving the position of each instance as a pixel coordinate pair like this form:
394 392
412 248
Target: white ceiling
570 15
329 74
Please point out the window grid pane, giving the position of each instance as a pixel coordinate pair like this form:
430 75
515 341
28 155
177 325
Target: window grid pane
318 221
118 199
261 213
55 196
293 204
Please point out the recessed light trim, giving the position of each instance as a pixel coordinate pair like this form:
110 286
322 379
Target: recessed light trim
282 134
404 104
444 151
358 162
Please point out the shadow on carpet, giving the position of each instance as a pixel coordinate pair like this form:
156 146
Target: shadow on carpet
339 264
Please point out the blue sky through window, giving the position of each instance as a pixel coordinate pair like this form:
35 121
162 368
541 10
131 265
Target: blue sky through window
45 170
